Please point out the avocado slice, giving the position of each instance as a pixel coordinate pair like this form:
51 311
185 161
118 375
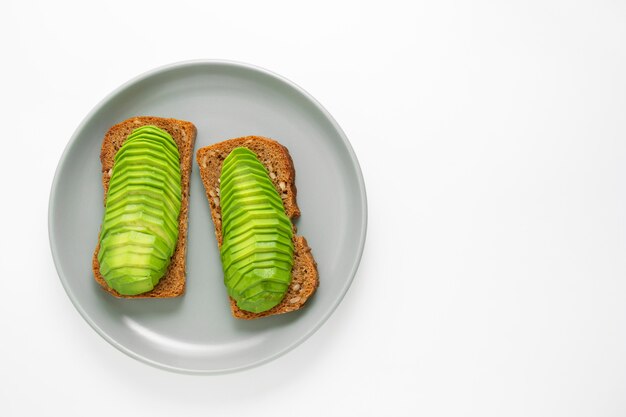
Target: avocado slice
151 149
140 224
263 296
160 215
154 193
254 235
257 235
148 184
152 139
245 170
261 223
236 275
154 225
139 241
135 286
258 252
170 226
154 177
140 161
156 134
249 186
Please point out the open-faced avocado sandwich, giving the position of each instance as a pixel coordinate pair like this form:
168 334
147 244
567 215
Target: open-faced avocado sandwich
250 186
146 166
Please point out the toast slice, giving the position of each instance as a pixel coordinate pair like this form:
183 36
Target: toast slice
276 158
172 284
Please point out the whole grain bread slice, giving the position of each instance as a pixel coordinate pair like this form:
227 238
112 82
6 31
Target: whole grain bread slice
172 284
276 158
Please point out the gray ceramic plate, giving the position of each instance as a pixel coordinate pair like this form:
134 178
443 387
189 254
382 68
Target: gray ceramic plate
196 333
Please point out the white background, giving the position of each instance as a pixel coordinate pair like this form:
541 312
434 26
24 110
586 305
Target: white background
492 138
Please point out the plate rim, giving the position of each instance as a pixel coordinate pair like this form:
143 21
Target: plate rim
172 67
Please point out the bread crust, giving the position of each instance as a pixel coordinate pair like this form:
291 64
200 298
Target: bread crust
276 158
172 284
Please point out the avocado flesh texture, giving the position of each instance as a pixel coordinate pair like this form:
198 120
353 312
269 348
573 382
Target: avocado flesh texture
156 178
235 285
155 157
148 163
155 134
142 198
140 225
137 204
148 204
149 187
245 163
141 241
255 219
154 194
168 223
141 221
258 252
253 236
257 185
255 198
257 236
156 144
